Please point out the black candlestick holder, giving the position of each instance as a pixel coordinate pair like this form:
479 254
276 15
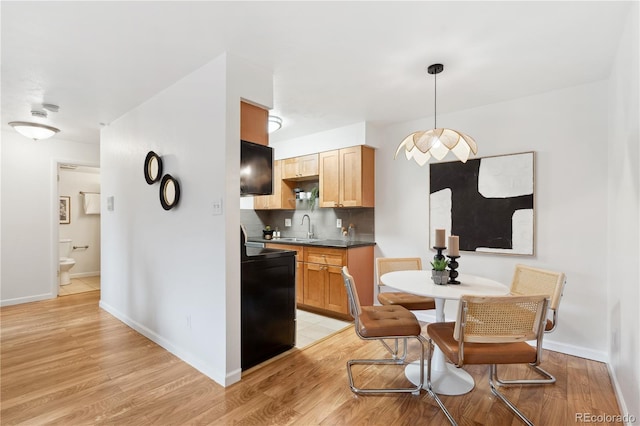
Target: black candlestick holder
439 256
453 274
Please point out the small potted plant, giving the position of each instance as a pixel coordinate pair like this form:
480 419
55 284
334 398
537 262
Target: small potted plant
267 233
313 196
439 273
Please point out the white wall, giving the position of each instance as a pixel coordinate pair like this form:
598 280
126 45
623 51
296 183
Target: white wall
624 217
83 229
175 275
563 128
30 213
341 137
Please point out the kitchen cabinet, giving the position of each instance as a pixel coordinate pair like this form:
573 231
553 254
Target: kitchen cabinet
300 168
282 196
323 286
299 266
347 177
254 124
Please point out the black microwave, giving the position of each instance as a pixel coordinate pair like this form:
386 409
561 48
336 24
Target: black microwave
256 169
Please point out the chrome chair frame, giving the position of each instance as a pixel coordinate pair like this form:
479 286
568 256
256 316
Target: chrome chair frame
355 309
411 263
554 307
460 327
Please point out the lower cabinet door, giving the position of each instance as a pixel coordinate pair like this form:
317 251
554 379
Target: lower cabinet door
314 284
336 299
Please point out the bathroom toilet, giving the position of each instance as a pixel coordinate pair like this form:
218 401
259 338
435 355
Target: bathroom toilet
66 263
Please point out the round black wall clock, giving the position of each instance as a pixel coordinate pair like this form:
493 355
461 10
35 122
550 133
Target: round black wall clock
152 168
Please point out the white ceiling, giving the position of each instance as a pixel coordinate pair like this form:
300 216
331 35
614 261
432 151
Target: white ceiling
334 63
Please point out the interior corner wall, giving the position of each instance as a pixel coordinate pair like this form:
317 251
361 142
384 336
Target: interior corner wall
174 275
570 191
29 203
624 217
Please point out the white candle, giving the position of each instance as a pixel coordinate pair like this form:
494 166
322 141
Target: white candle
440 238
454 245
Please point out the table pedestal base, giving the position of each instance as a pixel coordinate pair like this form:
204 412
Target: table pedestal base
450 381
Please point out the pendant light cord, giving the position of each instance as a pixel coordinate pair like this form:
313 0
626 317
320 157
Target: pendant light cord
435 100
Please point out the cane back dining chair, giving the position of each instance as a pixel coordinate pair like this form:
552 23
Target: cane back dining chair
529 280
380 323
410 301
490 330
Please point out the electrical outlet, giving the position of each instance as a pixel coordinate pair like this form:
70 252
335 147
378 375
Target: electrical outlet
287 222
338 223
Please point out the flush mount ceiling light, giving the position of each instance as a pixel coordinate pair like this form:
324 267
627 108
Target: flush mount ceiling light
437 142
275 123
36 131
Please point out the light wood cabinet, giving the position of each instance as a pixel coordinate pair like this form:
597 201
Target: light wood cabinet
273 201
323 286
347 177
319 284
300 168
281 198
254 124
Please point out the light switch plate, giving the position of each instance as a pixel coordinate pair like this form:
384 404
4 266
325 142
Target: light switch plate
217 206
287 222
338 223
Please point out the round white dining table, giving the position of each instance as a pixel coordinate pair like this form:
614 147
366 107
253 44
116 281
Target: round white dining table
446 379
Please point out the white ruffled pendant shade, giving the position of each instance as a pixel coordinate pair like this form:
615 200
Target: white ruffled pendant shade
437 142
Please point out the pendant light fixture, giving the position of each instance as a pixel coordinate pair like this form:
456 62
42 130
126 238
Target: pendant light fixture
36 131
437 142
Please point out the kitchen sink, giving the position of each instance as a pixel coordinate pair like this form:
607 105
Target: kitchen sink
298 240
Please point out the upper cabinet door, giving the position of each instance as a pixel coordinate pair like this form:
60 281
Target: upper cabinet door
273 201
347 177
300 168
329 179
253 124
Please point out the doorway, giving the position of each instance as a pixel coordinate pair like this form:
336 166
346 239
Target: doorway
78 229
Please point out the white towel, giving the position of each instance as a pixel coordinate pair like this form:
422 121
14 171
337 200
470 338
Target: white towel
92 203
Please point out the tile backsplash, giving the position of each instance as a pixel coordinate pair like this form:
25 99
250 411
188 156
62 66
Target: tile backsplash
323 222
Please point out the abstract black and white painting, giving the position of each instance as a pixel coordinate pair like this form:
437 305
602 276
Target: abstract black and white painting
488 202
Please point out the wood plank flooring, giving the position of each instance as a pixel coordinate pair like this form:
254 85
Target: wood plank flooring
65 361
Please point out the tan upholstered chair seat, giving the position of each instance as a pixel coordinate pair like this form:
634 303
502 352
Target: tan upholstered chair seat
379 321
549 325
410 301
441 333
383 323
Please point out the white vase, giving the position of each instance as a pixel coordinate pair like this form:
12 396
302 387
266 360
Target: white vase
440 277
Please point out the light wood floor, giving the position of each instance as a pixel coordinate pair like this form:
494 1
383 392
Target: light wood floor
65 361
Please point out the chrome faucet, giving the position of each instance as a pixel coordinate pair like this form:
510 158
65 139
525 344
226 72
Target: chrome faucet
309 232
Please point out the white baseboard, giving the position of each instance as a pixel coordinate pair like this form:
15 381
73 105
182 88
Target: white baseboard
184 355
85 274
547 343
620 397
36 298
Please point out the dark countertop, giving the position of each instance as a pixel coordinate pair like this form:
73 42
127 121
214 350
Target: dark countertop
317 243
